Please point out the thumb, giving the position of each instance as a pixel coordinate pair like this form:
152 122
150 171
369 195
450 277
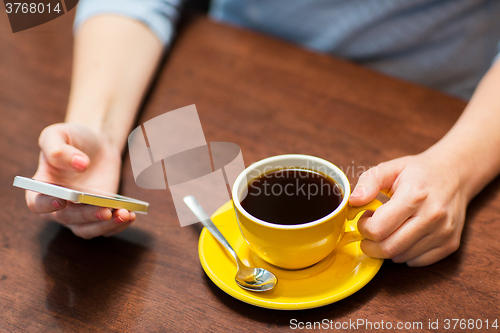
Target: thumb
371 182
57 147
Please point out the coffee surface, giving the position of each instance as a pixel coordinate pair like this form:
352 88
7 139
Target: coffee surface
291 196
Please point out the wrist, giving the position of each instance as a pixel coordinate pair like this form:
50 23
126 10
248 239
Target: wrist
105 123
460 165
90 114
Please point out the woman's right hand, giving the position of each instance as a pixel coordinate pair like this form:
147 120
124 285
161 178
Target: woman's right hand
75 155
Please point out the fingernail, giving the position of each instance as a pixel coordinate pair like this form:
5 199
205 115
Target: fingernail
79 163
358 192
99 216
118 219
56 204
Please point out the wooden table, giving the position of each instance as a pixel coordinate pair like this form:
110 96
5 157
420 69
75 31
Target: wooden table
270 98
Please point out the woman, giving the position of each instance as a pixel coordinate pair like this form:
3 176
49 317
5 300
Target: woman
448 45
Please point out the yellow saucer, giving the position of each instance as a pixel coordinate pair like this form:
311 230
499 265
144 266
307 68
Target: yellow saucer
339 275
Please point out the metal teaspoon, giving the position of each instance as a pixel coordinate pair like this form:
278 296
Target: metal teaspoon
248 278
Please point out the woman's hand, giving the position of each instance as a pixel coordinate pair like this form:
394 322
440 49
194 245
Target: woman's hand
73 154
423 220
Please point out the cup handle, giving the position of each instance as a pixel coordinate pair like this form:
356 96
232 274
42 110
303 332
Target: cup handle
355 236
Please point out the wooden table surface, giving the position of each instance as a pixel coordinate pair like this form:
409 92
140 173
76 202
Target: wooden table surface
270 98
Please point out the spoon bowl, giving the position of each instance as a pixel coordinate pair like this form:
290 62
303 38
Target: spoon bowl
255 279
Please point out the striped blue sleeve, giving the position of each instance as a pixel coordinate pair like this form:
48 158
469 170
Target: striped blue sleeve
159 15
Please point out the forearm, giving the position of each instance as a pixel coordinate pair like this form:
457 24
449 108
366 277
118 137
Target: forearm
114 60
472 146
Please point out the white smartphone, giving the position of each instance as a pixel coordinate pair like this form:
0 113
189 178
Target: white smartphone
80 195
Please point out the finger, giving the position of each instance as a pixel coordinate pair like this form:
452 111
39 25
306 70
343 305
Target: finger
432 256
81 213
409 234
41 203
425 244
371 182
391 215
432 245
121 215
56 148
93 229
118 229
122 226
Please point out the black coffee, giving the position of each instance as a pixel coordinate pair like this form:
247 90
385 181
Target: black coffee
291 196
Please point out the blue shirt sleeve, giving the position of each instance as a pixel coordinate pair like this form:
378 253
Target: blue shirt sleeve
159 15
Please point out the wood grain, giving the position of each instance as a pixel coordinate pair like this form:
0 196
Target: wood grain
270 98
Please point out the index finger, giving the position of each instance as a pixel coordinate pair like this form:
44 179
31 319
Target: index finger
40 203
391 215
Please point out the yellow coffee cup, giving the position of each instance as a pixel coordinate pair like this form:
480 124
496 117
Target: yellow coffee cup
297 246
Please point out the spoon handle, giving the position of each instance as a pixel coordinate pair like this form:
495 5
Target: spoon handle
200 213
